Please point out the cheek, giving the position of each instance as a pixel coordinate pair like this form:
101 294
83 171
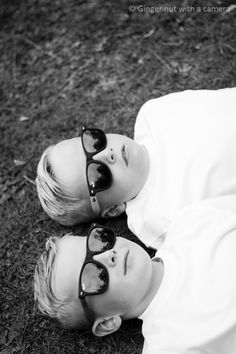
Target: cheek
119 290
122 297
123 181
114 300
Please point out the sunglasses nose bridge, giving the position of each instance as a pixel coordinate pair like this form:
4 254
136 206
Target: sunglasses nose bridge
100 155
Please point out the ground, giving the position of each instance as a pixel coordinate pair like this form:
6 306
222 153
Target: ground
68 62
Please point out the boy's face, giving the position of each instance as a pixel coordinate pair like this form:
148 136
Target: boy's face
130 277
129 172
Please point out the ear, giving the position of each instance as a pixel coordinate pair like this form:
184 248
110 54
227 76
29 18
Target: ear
107 325
113 211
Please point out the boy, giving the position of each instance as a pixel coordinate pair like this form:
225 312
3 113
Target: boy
183 151
185 296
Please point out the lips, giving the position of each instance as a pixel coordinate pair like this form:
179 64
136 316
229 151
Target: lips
124 154
125 262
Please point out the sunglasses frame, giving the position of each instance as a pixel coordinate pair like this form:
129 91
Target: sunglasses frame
89 259
89 160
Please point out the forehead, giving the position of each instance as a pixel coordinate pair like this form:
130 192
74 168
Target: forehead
69 152
69 260
68 163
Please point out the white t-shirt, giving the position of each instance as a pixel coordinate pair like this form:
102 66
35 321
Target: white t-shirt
194 311
190 137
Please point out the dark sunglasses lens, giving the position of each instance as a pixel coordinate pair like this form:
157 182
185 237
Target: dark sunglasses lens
99 176
94 140
94 278
101 239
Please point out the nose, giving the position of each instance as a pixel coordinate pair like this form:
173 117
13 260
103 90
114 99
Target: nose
107 155
107 258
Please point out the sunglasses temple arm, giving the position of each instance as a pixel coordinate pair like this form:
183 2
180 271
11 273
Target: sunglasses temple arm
87 311
95 205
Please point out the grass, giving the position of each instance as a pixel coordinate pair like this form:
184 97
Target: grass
68 62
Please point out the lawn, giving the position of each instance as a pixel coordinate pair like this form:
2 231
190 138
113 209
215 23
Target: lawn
65 63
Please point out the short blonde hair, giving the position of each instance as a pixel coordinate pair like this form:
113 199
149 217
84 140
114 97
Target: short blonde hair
56 203
66 311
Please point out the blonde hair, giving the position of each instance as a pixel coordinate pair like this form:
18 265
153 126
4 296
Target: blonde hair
56 203
66 311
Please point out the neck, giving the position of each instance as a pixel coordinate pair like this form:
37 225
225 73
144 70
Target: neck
145 169
146 163
157 276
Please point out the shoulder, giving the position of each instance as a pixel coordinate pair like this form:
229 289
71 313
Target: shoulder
172 98
184 96
181 106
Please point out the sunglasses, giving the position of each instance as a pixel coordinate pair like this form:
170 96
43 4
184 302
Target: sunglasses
98 174
94 278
